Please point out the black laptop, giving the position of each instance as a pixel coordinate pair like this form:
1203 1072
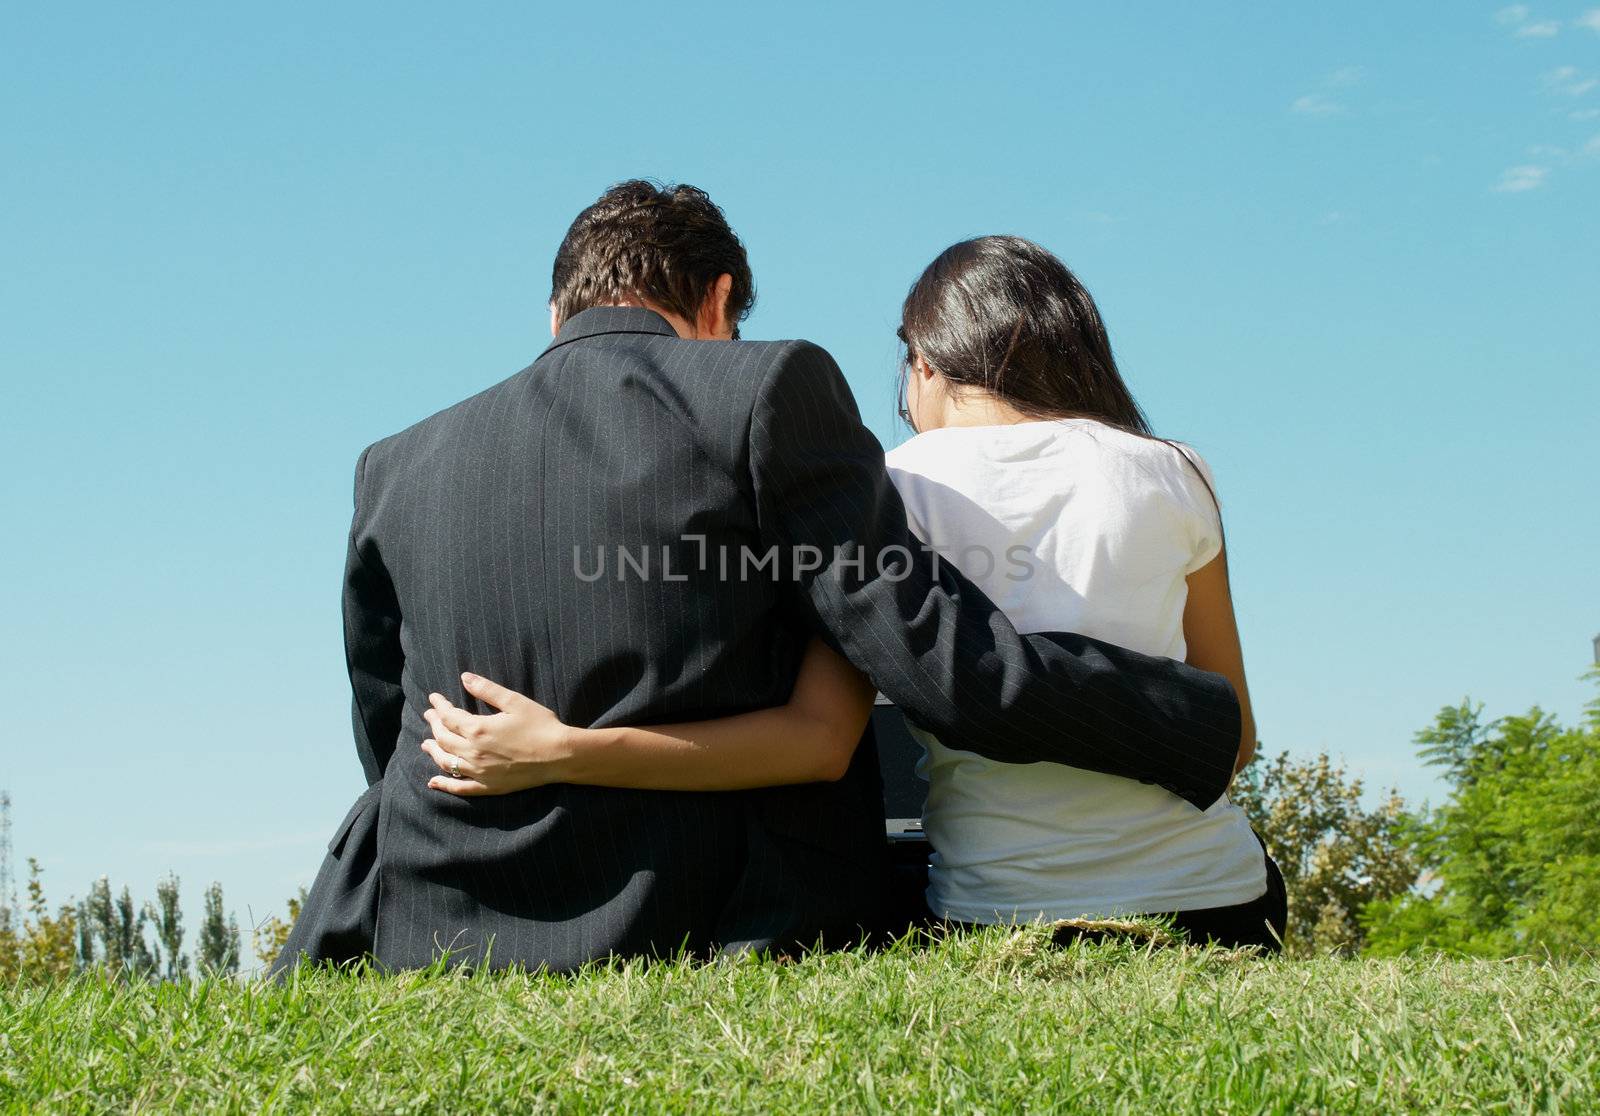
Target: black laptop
904 791
904 795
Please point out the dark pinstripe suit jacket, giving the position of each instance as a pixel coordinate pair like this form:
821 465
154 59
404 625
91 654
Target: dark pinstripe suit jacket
476 540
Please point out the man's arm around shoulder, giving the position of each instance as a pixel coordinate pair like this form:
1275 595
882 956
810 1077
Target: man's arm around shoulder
934 643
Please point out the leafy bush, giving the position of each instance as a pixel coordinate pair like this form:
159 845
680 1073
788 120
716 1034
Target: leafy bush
39 948
271 936
1336 855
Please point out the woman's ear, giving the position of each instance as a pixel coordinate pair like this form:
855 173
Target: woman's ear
923 406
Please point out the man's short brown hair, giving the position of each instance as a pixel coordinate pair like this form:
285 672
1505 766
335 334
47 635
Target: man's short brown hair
642 240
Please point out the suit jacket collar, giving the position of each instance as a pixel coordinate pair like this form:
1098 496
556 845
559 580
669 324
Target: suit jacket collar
610 319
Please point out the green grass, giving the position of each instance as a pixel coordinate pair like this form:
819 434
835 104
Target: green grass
994 1021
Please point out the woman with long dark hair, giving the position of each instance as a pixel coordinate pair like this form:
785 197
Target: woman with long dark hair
1034 471
1028 437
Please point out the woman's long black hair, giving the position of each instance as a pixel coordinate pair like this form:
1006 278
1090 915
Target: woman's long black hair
1002 315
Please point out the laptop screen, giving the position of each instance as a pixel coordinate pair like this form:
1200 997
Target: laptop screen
904 791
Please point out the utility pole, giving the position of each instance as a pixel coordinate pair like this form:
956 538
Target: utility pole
8 880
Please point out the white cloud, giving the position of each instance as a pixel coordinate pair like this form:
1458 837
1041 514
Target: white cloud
1592 148
1516 180
1517 16
1322 104
1315 104
1589 19
1581 115
1570 80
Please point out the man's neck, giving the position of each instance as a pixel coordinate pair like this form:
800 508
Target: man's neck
680 325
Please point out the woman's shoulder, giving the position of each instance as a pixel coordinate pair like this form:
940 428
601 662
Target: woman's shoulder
935 452
1081 445
997 441
1164 461
1186 462
1168 479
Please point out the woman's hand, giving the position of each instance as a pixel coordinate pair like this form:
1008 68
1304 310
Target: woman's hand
811 738
524 745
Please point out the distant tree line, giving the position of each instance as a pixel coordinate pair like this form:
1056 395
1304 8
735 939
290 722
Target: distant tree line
111 934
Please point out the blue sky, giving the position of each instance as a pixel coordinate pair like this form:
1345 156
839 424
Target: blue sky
1348 252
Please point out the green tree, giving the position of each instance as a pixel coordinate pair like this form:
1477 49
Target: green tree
86 935
166 916
1513 855
99 913
1456 736
131 921
217 947
117 940
1336 855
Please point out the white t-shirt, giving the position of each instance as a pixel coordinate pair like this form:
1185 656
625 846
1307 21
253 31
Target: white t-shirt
1070 525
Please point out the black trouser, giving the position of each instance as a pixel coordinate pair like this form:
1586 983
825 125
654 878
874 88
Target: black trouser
1260 922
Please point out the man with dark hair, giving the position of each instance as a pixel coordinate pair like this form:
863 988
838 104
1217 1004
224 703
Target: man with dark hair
671 245
646 429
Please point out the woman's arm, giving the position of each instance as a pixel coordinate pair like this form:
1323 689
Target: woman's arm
1212 636
809 739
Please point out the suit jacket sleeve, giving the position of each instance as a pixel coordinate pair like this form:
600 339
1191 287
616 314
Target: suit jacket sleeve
933 642
371 642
